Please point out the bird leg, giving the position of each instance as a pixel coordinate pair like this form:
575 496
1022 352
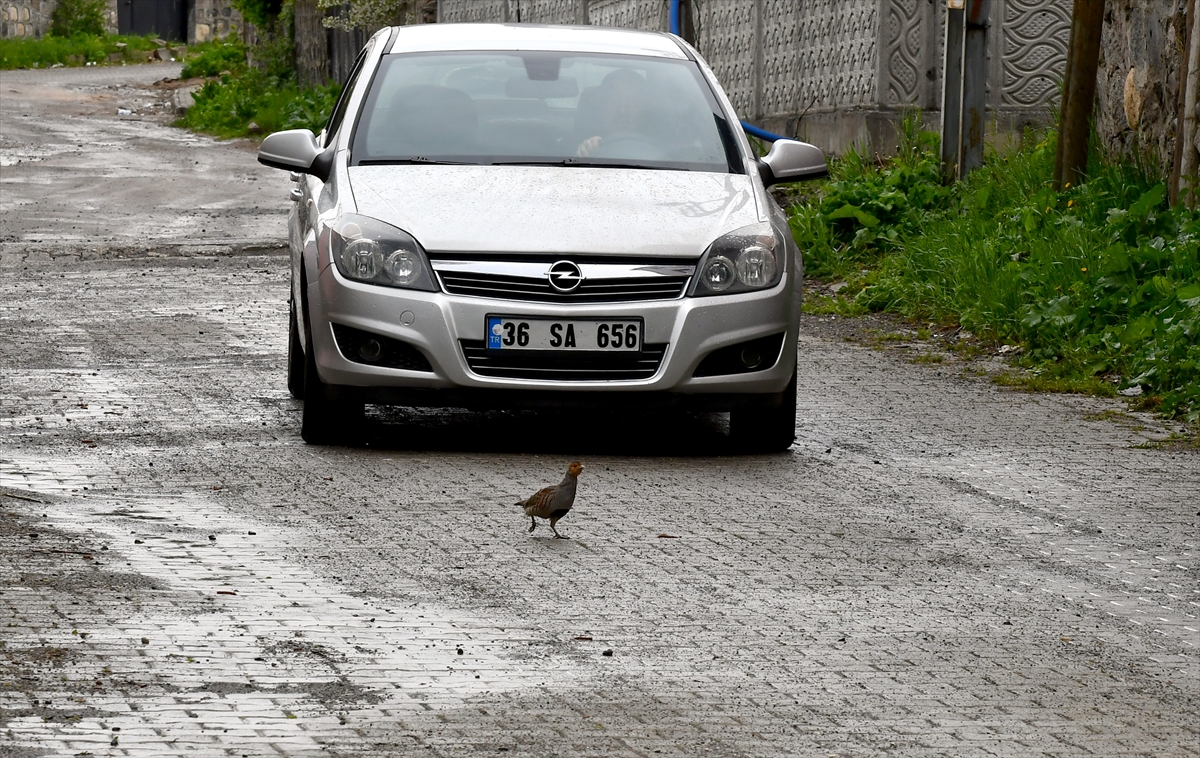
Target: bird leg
557 536
532 524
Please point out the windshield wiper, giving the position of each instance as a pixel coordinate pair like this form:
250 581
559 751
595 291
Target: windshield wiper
416 159
583 163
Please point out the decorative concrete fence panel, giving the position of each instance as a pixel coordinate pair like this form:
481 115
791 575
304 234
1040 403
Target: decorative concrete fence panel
837 72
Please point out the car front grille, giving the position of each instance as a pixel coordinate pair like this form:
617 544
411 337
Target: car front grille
563 367
601 282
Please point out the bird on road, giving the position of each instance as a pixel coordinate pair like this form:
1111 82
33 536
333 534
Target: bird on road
553 502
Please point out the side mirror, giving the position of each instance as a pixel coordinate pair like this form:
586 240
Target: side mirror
296 150
791 161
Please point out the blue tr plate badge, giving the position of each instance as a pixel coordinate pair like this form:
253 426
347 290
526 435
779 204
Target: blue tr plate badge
494 330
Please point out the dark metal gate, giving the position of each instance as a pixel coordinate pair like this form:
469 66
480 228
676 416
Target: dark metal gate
162 18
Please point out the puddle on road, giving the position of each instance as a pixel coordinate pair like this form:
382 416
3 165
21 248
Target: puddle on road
248 651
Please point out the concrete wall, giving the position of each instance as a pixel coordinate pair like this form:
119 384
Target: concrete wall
839 72
1142 58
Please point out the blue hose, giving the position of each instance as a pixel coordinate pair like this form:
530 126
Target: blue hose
673 22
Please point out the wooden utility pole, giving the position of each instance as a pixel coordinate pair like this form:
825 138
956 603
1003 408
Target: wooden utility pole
974 86
1187 141
952 70
312 44
687 22
1079 92
964 87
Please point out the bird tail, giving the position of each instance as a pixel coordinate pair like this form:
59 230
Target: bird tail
521 503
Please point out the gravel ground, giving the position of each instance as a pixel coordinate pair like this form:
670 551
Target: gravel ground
939 567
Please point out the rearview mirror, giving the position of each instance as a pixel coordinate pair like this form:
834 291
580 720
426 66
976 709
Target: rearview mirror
792 161
541 89
296 150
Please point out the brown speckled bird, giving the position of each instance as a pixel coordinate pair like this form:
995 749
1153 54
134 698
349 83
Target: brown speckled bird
553 502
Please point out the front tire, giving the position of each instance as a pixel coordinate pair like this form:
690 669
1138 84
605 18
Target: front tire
295 356
325 421
766 430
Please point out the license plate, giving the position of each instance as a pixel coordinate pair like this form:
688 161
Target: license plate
603 335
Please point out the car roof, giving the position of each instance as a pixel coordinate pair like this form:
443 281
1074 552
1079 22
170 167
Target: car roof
582 39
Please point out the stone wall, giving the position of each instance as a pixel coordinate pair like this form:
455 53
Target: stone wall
210 19
1142 58
206 18
25 18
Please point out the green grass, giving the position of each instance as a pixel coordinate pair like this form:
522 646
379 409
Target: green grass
239 95
832 305
214 58
226 107
1100 283
1035 382
77 50
1174 441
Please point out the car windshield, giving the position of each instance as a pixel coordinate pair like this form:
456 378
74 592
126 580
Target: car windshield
543 108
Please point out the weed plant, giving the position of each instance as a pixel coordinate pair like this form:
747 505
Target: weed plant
76 50
227 106
1099 283
255 86
72 17
214 58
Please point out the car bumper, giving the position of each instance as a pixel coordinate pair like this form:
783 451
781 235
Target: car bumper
436 324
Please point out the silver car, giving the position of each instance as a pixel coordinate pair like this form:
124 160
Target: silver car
516 216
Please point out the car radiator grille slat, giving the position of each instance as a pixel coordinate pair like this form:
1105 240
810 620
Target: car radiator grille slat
608 290
567 367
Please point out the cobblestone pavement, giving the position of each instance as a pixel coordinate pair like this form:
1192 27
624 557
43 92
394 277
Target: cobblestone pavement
939 567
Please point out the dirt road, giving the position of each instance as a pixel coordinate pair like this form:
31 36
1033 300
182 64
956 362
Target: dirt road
939 567
76 176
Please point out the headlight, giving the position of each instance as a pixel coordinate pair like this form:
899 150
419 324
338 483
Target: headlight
747 259
367 250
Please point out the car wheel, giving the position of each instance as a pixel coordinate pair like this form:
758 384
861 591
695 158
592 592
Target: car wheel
325 421
295 357
766 430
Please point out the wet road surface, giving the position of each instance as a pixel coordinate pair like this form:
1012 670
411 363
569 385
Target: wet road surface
76 176
938 567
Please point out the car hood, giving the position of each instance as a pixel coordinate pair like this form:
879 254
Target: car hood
531 209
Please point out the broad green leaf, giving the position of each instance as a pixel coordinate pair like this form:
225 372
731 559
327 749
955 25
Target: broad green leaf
1149 200
1189 295
850 211
1139 329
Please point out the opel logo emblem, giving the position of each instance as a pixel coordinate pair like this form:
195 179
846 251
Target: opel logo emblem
565 276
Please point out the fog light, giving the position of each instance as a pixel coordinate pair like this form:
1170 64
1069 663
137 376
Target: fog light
752 357
370 350
403 267
719 274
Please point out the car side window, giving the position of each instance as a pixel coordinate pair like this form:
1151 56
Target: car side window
343 101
